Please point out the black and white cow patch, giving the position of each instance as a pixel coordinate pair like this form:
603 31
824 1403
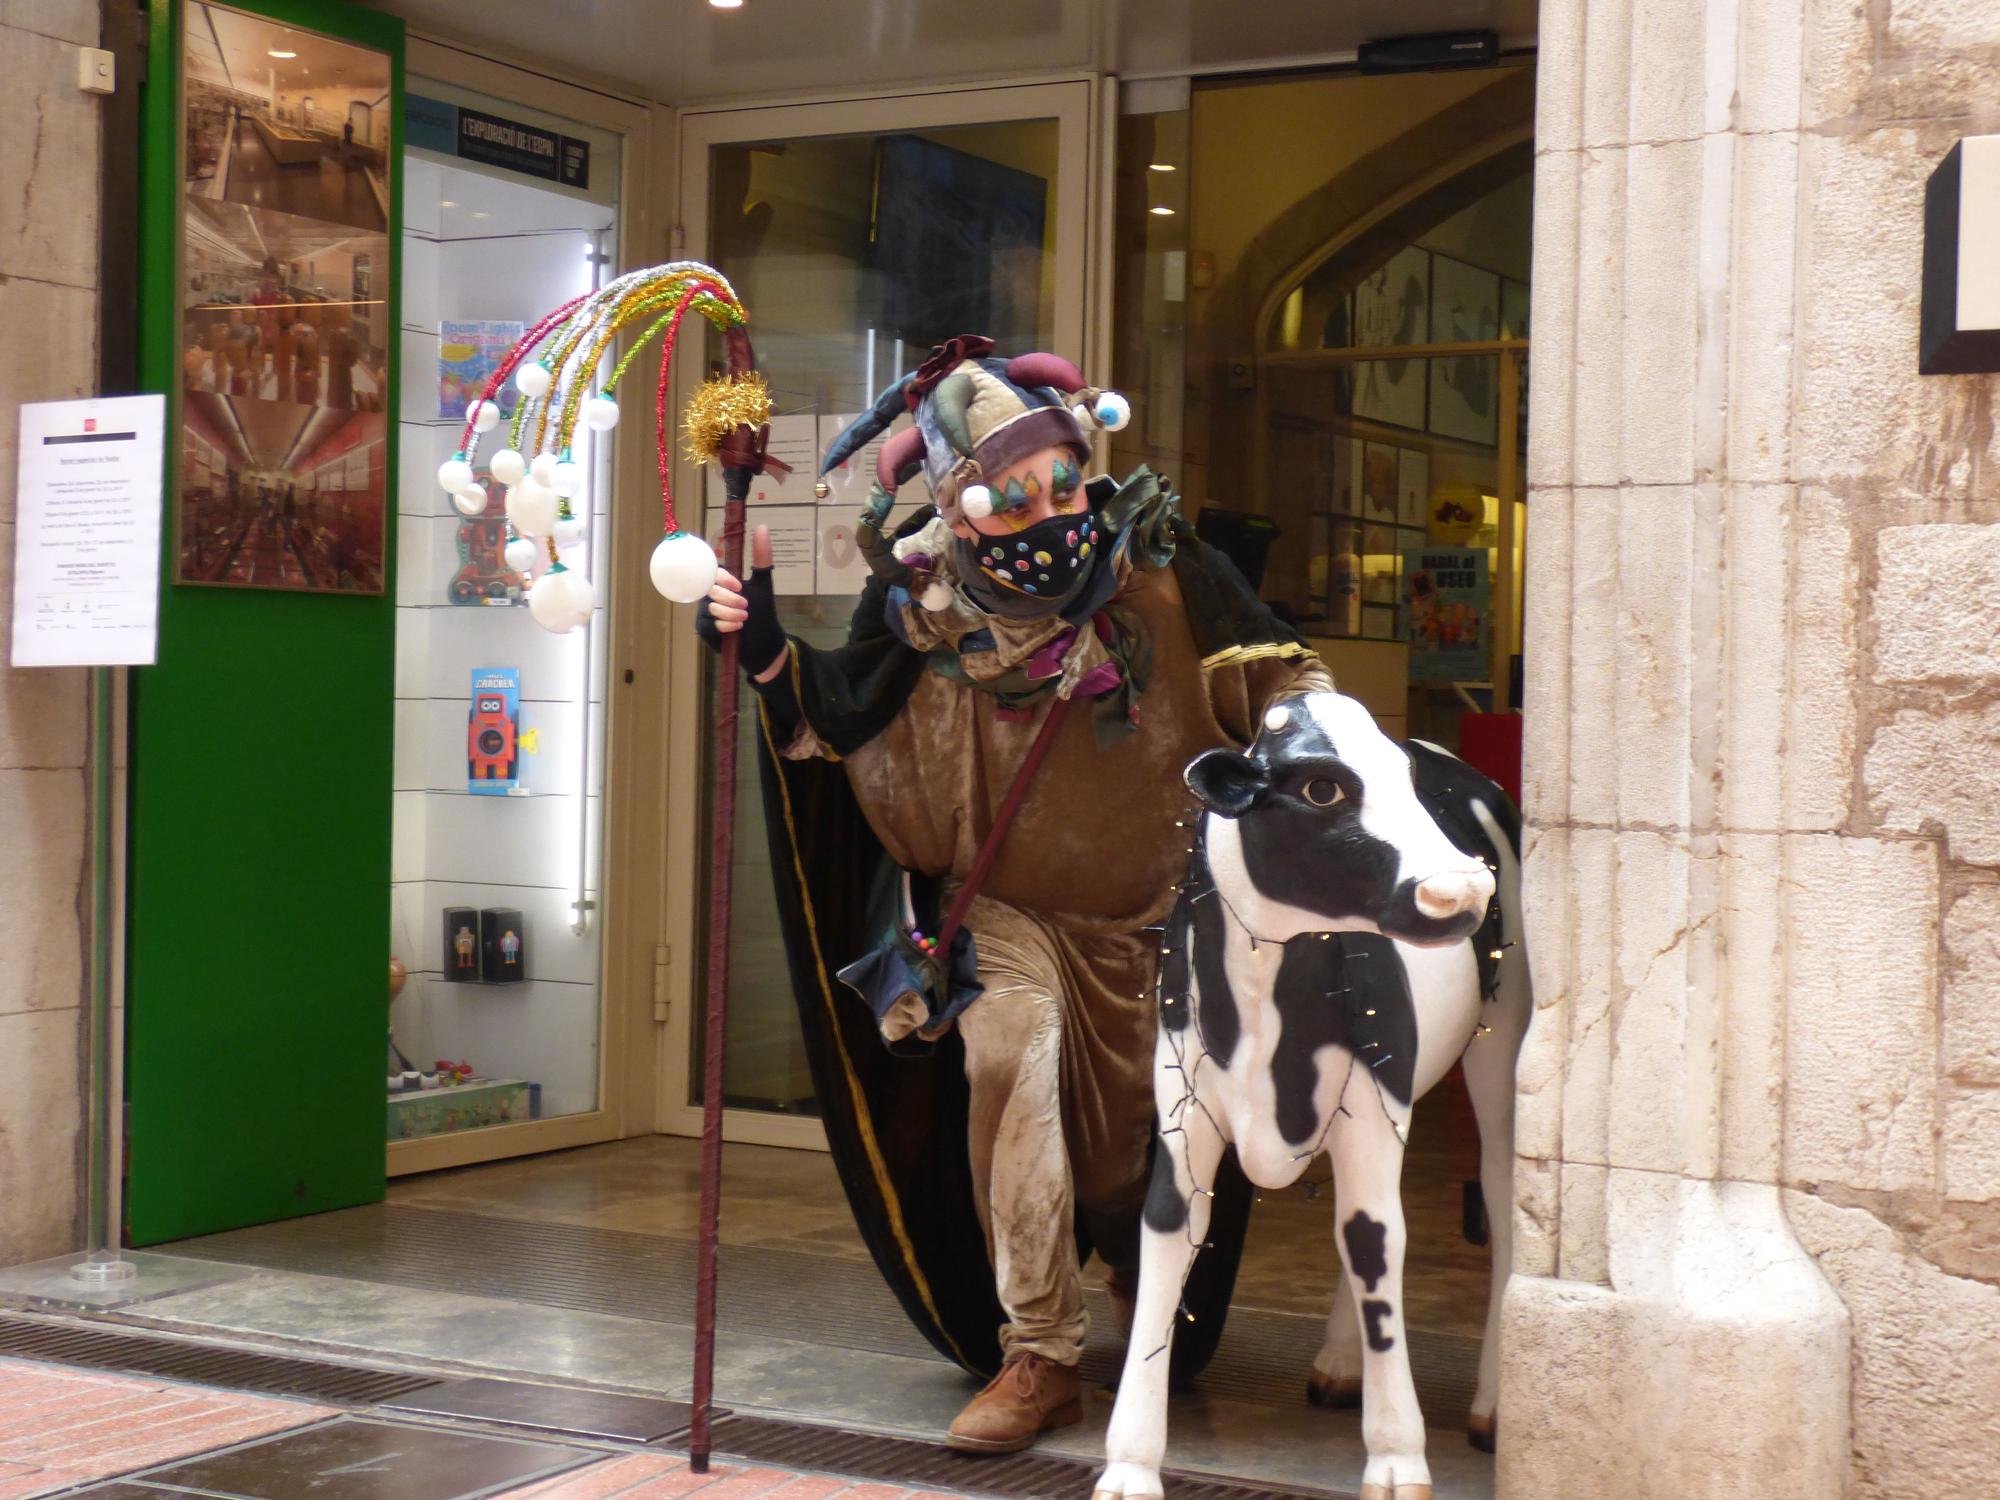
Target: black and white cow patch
1350 993
1455 795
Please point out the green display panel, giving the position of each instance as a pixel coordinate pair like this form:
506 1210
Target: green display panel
258 891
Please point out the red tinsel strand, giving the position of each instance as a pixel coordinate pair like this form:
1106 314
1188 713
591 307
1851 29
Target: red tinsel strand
512 358
665 450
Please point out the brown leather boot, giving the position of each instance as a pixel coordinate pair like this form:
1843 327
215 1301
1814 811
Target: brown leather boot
1029 1396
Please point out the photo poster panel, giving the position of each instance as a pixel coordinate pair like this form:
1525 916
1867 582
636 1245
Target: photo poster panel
288 343
1446 594
1465 392
1392 305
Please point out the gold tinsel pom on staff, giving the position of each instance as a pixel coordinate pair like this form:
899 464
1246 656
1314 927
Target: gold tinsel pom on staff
719 407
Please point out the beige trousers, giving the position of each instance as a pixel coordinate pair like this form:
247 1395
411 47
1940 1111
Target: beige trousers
1055 1096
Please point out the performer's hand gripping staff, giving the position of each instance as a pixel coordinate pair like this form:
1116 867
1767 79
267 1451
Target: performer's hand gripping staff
559 369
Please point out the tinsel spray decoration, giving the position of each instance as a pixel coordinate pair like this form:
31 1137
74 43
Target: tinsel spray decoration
554 367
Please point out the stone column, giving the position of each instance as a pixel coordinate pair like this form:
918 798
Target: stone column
48 351
1690 733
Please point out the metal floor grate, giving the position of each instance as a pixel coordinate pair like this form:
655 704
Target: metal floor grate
909 1461
203 1364
1263 1356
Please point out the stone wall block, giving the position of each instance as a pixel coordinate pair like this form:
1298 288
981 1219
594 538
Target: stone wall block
1822 665
1651 695
1665 83
1753 678
1607 76
43 710
42 812
1933 604
1552 403
41 1126
1647 1101
1751 1027
1590 715
1916 59
1861 1022
49 228
1545 771
1537 1216
1663 194
1599 375
1933 770
1547 883
1972 986
1972 1148
1585 1252
1863 413
49 348
1590 1044
73 21
1770 54
1926 1358
1762 315
1569 1422
1559 63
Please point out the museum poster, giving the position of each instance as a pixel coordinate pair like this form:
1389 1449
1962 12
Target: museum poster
1445 596
285 330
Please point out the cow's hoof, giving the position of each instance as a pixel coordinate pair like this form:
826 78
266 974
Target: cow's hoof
1482 1432
1334 1392
1395 1492
1122 1481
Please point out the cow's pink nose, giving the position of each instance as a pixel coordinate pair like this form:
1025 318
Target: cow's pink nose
1444 896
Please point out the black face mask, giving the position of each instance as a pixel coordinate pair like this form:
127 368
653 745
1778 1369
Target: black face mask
1035 570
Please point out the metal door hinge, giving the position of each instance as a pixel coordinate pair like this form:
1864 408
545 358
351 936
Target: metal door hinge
663 965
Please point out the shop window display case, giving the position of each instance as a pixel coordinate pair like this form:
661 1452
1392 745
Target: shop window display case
500 725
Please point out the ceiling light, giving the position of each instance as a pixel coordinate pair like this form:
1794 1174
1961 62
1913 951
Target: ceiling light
282 55
447 203
1162 210
481 214
726 4
1162 166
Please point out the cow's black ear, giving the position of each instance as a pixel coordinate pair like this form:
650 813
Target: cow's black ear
1227 781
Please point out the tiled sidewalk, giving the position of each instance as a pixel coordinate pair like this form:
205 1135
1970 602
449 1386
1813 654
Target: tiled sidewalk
61 1428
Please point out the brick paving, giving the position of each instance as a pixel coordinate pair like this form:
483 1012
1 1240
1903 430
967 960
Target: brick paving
61 1427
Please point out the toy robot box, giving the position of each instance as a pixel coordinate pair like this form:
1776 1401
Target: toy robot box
492 736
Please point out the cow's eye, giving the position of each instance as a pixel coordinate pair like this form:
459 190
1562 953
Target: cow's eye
1322 792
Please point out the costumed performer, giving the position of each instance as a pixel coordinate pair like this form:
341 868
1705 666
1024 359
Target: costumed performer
1020 588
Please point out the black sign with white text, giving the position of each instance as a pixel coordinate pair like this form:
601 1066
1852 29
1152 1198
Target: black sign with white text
527 149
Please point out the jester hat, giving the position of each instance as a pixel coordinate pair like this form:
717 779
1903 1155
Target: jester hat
977 415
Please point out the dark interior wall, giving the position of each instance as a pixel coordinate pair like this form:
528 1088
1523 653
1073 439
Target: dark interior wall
258 916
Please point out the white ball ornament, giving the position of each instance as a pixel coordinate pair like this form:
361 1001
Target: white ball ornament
600 413
975 501
532 508
936 596
1086 417
683 567
485 416
542 469
534 379
454 474
561 600
1114 412
568 531
470 501
508 466
566 479
520 554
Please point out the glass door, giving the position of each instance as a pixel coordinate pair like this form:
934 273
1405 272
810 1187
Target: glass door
858 235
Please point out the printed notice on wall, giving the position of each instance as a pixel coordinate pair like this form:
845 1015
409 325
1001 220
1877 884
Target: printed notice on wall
87 536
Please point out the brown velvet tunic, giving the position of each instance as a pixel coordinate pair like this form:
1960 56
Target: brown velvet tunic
1092 857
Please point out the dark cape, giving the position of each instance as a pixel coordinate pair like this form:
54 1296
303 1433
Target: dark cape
896 1124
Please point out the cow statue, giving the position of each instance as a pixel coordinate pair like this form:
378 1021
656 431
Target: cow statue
1286 1044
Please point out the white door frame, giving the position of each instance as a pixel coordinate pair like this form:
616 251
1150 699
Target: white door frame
1074 103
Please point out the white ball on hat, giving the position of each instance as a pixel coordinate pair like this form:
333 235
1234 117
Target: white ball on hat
975 502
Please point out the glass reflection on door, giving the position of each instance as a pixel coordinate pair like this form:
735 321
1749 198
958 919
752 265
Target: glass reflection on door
855 255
